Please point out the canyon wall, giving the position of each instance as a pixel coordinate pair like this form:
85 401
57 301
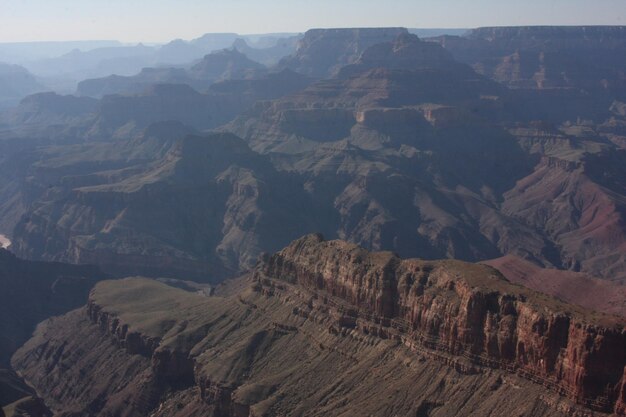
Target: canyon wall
468 310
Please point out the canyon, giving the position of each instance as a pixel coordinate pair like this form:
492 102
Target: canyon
328 328
404 148
165 229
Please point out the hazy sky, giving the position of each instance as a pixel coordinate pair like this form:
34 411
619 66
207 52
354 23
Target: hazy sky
163 20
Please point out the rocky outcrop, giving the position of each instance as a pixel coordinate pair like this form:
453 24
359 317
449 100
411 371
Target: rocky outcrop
133 342
284 344
223 398
226 64
406 150
468 310
232 198
405 52
175 367
322 52
546 57
268 55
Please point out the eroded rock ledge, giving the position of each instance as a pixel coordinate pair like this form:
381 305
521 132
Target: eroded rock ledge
171 364
466 310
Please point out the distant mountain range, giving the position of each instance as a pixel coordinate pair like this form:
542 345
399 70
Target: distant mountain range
16 83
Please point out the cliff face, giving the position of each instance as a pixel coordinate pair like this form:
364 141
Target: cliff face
546 57
216 200
322 52
405 150
331 328
469 310
32 292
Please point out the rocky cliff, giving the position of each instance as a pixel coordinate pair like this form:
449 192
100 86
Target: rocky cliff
468 310
545 57
198 211
406 149
32 292
329 328
322 52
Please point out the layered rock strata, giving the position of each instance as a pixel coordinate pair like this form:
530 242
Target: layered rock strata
328 328
467 310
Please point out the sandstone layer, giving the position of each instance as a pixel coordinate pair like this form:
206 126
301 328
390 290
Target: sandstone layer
327 328
469 310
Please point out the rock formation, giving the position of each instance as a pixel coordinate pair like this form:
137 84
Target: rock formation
405 149
32 292
216 201
268 55
466 310
327 327
545 57
322 52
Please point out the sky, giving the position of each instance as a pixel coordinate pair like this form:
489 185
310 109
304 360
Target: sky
164 20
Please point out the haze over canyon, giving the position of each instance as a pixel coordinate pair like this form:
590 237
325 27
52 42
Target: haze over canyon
352 221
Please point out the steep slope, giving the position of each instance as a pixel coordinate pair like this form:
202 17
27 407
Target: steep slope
544 57
50 110
226 64
473 172
34 291
270 55
377 143
322 52
404 149
205 208
573 204
326 328
161 102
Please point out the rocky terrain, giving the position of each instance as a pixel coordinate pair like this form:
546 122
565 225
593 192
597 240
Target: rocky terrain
545 57
32 292
572 287
503 146
269 55
216 180
322 52
217 66
327 328
405 149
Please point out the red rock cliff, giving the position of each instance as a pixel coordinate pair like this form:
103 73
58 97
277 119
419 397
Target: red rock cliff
472 311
